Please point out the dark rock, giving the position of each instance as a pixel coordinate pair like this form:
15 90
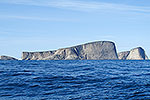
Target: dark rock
7 58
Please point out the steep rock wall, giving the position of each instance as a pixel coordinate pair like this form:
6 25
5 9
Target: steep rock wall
100 50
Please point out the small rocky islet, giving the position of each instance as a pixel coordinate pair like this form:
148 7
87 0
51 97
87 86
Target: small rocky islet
99 50
134 54
7 58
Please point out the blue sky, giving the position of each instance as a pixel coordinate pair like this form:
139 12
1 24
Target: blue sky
37 25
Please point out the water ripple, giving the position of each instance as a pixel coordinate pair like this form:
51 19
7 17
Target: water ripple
75 80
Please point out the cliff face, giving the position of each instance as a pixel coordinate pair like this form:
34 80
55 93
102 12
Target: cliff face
101 50
134 54
7 58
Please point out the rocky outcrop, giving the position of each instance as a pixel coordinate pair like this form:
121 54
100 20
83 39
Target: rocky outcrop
101 50
123 55
134 54
7 58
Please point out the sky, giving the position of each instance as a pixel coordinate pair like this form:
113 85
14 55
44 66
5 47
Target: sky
42 25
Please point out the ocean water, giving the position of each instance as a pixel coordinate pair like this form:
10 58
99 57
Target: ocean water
75 80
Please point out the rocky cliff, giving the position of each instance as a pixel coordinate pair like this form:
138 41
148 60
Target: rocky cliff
101 50
134 54
123 55
7 58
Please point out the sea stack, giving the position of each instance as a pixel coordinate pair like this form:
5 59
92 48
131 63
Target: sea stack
134 54
7 58
100 50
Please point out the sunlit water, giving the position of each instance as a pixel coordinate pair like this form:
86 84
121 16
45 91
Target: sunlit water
75 80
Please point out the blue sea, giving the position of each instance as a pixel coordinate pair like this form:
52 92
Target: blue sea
75 80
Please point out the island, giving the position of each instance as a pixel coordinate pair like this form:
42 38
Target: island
3 57
99 50
134 54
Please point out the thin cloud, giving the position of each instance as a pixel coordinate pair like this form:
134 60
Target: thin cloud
35 18
80 5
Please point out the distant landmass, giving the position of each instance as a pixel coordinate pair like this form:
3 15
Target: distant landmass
134 54
7 58
100 50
